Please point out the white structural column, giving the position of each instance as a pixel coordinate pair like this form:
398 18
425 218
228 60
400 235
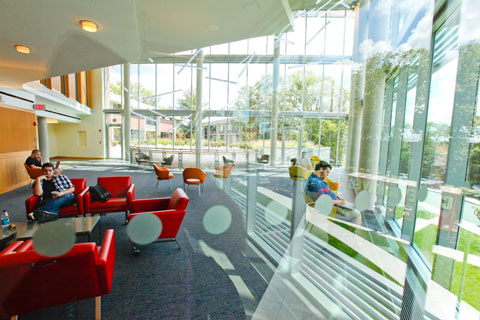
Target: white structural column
355 120
43 138
126 110
356 89
274 125
198 115
375 77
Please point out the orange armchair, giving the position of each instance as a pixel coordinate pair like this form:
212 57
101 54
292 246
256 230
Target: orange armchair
162 174
223 172
33 173
193 176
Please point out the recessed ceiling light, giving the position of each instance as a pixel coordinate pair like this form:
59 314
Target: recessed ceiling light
89 26
22 49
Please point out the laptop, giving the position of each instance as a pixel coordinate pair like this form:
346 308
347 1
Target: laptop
57 164
347 205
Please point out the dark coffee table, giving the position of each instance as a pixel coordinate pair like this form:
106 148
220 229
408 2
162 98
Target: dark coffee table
82 225
7 237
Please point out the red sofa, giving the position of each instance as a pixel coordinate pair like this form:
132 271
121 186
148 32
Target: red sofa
171 212
122 193
32 282
76 209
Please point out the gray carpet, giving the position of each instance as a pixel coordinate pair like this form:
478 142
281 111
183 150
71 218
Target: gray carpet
164 282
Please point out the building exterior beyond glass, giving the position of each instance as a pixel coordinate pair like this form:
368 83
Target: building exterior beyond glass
385 91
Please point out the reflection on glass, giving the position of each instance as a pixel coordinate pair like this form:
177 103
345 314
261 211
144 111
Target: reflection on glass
406 139
442 92
114 96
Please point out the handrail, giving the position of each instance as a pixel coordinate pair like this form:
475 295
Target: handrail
209 158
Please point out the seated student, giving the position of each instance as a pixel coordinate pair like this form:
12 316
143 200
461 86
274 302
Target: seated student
293 161
35 159
305 162
315 186
56 190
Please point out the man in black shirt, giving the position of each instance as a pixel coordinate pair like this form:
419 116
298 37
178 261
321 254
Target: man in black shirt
56 190
34 160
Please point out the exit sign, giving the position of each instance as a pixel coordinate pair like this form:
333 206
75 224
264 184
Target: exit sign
38 107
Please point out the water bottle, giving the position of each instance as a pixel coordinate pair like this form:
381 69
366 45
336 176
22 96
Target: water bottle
5 219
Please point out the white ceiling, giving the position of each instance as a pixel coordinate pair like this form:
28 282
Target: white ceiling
128 31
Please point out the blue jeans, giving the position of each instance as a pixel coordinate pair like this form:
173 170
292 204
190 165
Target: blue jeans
53 205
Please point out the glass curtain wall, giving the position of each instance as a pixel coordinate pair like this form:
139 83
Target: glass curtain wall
427 176
416 180
237 77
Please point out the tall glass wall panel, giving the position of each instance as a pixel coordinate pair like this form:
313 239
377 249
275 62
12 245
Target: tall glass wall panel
438 131
184 94
113 87
147 93
296 38
134 86
316 29
164 96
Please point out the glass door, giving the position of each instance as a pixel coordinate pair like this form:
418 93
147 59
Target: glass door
114 135
114 142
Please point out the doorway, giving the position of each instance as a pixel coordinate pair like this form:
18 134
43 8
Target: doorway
114 135
114 142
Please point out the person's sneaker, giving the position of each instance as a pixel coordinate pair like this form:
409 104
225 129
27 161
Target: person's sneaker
42 216
30 216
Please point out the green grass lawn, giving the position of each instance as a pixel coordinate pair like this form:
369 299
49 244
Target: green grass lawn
425 239
471 289
422 214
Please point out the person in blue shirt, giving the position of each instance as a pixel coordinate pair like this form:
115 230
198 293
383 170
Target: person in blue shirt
56 190
315 186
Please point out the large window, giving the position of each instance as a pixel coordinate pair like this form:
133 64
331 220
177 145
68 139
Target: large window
245 83
436 146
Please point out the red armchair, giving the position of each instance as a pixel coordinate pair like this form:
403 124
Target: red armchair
32 282
122 193
171 212
76 209
17 246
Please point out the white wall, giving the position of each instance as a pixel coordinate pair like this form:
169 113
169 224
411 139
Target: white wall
68 143
52 139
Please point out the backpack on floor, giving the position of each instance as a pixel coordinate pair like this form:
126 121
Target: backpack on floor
99 193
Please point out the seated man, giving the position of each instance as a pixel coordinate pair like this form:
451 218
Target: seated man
315 186
56 191
305 162
34 160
